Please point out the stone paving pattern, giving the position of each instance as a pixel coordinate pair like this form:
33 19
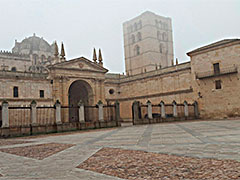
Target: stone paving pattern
199 139
141 165
40 151
5 142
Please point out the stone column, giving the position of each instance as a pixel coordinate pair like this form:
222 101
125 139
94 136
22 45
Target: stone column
186 109
196 112
117 110
33 106
135 110
5 115
58 112
175 114
149 109
81 112
100 111
163 114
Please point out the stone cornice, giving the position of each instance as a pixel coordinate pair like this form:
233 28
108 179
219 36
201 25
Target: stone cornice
214 46
151 74
190 90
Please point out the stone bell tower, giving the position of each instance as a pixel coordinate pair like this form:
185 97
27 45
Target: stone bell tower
148 43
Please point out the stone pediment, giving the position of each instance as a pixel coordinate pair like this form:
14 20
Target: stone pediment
81 64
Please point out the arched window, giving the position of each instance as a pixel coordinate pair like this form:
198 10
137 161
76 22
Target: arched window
159 36
13 69
137 50
156 23
135 26
139 36
133 39
165 25
43 58
160 24
161 48
140 24
164 36
35 57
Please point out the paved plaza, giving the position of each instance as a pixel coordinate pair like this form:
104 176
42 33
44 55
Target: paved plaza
58 156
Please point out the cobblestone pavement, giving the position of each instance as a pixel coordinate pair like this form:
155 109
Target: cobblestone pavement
201 139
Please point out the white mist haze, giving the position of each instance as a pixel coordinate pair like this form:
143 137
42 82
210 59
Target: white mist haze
83 25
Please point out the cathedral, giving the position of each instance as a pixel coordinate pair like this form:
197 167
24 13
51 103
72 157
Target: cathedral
39 71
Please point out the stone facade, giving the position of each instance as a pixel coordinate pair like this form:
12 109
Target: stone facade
223 101
148 43
211 78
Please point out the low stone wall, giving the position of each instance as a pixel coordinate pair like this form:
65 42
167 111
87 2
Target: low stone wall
161 120
43 129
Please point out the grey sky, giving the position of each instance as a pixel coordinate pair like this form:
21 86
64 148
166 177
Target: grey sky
82 24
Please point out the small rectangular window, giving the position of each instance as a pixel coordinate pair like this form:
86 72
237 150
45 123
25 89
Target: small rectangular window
41 93
15 91
216 68
218 84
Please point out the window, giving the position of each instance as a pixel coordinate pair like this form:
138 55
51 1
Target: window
41 93
137 50
15 91
218 84
14 69
165 25
135 26
140 24
161 48
156 23
216 68
160 24
111 91
133 39
164 36
35 57
159 36
139 36
43 58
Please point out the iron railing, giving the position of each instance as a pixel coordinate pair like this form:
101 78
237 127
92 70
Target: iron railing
223 71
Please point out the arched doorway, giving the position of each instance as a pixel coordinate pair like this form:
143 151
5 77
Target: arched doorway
79 90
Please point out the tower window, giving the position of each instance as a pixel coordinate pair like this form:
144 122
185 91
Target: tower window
216 68
135 26
15 91
164 36
218 84
161 48
137 50
139 36
41 92
140 24
133 39
159 36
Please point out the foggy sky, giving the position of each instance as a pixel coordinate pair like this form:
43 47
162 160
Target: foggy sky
82 24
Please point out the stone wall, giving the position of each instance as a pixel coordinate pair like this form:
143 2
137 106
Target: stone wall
167 84
29 86
10 60
217 103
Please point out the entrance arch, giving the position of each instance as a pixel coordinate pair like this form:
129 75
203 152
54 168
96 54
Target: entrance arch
78 90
